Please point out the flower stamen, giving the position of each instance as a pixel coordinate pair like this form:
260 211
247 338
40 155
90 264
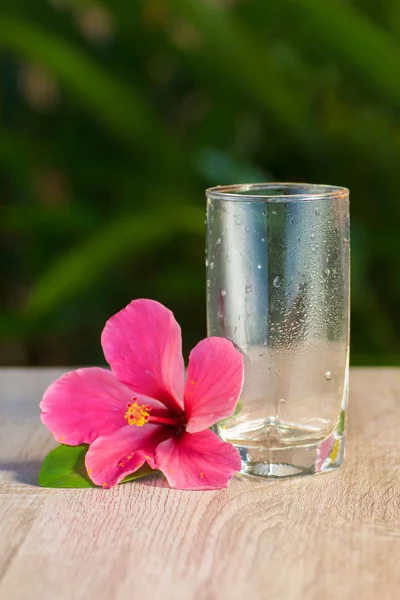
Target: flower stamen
137 414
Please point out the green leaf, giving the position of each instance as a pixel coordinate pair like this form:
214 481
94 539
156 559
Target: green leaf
230 52
74 272
142 472
357 42
119 107
64 467
341 423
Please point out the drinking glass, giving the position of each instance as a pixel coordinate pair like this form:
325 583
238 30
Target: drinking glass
278 287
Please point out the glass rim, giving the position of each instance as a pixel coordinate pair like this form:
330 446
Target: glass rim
248 192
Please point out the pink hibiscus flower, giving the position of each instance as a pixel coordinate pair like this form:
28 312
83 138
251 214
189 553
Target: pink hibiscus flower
142 410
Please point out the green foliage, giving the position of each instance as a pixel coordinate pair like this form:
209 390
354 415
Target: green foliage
64 467
115 117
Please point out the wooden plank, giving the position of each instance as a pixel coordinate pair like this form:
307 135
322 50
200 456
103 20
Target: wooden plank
325 537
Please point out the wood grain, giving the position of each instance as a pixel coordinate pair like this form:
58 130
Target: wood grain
335 536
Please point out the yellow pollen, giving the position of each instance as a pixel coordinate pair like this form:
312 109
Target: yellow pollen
137 415
335 451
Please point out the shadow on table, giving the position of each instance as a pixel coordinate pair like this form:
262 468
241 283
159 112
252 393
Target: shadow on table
24 471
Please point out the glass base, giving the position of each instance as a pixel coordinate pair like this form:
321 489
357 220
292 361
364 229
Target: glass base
273 463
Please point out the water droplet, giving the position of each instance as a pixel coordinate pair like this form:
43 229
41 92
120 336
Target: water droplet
292 221
220 314
259 266
282 400
276 282
248 289
327 272
223 292
211 265
247 229
328 375
274 212
317 212
206 262
263 239
238 222
218 241
265 343
313 236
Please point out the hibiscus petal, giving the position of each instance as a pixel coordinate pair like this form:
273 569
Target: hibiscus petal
214 382
82 405
197 461
111 458
142 344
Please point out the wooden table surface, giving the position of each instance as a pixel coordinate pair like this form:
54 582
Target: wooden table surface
334 536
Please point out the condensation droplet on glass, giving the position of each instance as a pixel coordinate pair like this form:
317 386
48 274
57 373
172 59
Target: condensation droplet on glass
259 266
313 236
223 292
317 211
220 314
298 239
274 212
328 375
327 272
218 241
277 281
238 222
247 229
211 265
206 262
248 289
263 239
282 400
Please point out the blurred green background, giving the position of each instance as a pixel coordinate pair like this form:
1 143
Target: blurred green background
116 114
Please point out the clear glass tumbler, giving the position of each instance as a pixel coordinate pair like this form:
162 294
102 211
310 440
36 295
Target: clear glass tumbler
278 287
